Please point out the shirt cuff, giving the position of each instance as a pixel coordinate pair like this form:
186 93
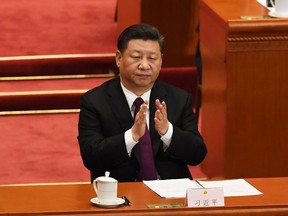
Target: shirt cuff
167 137
130 143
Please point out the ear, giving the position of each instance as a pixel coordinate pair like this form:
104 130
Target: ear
118 58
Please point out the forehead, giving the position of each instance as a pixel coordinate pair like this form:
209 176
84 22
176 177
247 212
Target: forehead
143 45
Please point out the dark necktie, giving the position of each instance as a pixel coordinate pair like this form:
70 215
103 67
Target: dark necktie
147 166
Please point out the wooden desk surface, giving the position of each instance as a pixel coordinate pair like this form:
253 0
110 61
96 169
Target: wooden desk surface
74 199
234 9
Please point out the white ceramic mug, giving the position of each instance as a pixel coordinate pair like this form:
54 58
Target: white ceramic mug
280 7
106 188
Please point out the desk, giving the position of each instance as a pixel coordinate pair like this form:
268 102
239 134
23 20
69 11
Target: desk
74 199
244 90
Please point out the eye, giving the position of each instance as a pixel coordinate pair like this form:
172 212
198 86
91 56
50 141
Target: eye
153 58
136 57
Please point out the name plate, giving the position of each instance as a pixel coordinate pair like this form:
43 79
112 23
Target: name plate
205 197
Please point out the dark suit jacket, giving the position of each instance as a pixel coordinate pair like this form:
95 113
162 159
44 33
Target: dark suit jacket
105 116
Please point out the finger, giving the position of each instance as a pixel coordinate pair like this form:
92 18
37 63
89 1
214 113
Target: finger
143 109
163 109
141 115
164 105
157 115
146 102
158 104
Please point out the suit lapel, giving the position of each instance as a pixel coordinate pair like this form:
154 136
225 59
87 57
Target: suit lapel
119 104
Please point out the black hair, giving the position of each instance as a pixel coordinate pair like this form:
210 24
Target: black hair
139 31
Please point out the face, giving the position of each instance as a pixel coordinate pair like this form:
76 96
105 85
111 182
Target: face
139 65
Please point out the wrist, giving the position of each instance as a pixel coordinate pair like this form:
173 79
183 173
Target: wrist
135 137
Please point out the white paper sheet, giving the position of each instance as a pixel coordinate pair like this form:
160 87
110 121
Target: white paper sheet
171 188
235 187
176 188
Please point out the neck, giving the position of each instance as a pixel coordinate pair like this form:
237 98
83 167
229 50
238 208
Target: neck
138 90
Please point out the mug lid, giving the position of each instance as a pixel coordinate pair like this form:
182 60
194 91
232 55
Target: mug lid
106 178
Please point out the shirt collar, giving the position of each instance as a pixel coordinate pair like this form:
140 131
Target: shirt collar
130 96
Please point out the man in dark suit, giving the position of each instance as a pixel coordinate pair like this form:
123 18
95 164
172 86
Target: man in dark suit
108 134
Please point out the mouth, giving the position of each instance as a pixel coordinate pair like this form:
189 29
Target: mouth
143 74
143 77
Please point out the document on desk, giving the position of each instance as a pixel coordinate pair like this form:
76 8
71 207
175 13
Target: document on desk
171 188
176 188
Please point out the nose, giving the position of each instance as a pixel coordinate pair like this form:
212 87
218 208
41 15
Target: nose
144 64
